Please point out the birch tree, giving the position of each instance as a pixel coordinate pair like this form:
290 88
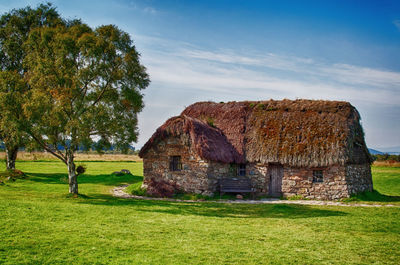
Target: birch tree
85 84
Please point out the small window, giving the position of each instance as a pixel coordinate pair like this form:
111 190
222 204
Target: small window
175 163
242 170
318 176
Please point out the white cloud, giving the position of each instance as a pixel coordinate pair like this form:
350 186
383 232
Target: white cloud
134 5
182 74
228 71
266 60
363 75
150 10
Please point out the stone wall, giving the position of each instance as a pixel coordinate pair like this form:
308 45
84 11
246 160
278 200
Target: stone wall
359 178
201 176
258 173
197 175
299 181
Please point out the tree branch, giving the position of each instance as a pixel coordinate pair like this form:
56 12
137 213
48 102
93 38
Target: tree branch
56 153
97 99
101 93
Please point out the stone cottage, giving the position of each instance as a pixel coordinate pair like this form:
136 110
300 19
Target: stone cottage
311 148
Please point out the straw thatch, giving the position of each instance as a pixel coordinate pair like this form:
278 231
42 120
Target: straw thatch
293 132
209 142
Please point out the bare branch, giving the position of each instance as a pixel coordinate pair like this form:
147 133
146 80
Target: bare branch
56 153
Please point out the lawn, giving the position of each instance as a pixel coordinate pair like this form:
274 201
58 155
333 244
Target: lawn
387 180
40 224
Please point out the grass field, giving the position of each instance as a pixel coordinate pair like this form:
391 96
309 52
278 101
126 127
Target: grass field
387 180
41 224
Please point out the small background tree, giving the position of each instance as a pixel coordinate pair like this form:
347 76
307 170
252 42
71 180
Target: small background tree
15 27
12 88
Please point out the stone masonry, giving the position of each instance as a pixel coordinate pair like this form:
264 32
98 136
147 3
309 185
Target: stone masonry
201 176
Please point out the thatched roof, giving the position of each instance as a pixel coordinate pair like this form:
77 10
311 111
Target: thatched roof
209 142
293 132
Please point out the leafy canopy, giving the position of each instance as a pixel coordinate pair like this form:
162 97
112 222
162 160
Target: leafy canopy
84 83
12 89
15 27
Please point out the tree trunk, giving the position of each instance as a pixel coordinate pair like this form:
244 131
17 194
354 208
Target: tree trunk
11 155
72 176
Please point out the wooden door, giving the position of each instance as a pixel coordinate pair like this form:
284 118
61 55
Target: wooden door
275 180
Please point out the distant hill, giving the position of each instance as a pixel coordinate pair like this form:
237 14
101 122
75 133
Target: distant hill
394 150
386 150
375 152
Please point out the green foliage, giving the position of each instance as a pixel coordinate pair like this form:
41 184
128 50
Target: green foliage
233 169
136 188
15 27
210 121
295 197
85 82
64 83
42 225
386 157
81 169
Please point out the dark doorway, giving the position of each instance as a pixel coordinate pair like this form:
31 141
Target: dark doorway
275 179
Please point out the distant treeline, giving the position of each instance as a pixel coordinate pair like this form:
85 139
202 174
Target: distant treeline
386 157
112 149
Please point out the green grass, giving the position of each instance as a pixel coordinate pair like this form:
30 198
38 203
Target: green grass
41 224
135 186
386 181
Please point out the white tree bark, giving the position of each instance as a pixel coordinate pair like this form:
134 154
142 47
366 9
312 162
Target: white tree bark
72 176
11 156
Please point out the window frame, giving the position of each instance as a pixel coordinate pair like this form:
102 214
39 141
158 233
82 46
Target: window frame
241 170
318 176
175 163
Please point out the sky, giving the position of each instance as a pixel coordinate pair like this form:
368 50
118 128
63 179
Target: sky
231 50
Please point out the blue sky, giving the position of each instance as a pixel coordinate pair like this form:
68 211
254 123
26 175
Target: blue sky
256 50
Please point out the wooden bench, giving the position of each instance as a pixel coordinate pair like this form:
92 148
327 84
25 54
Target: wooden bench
235 185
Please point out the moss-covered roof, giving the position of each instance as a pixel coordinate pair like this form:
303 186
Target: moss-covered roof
293 132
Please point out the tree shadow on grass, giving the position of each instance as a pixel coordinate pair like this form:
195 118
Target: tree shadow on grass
373 196
47 178
210 209
104 179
